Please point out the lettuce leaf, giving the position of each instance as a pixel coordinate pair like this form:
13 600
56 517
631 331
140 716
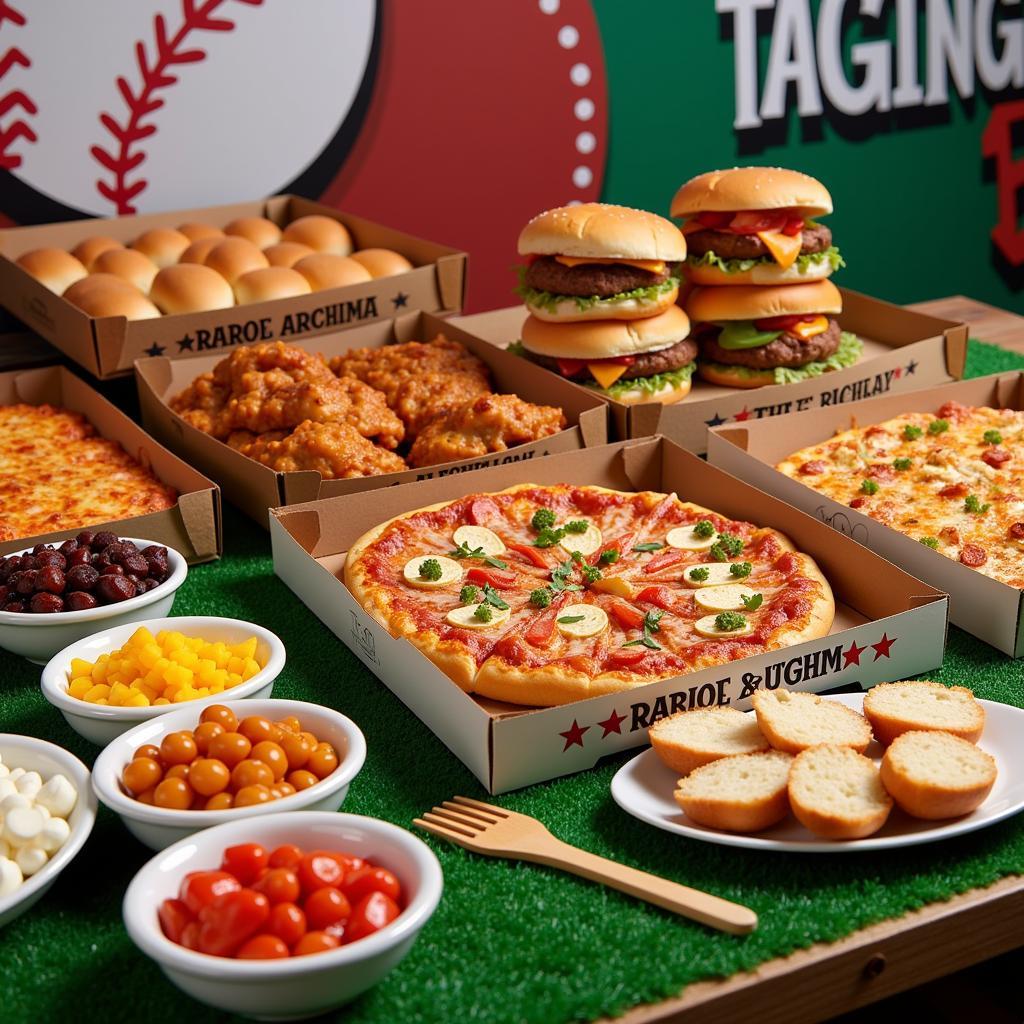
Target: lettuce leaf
649 385
803 262
550 301
848 352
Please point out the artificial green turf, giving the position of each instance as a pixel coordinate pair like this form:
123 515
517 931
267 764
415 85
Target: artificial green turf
509 942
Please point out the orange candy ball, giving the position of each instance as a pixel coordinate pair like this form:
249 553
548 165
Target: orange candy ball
249 795
178 748
323 760
222 715
272 755
203 733
251 773
141 774
208 776
229 747
174 794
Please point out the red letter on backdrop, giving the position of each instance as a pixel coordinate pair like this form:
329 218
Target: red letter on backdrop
997 142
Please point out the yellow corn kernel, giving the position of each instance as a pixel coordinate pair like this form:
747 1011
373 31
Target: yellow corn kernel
138 700
96 693
80 687
149 656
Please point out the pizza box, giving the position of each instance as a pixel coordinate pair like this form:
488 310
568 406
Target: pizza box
991 610
108 346
888 625
902 350
192 527
255 488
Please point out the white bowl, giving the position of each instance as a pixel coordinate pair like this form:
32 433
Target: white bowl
299 986
40 637
158 827
48 759
100 723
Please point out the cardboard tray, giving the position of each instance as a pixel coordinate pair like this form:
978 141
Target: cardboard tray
108 346
990 610
888 625
192 527
902 350
256 488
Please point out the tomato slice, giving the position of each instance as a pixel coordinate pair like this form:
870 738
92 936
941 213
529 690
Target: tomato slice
782 323
793 226
626 656
712 219
664 560
750 222
623 544
371 914
531 554
201 888
542 628
570 367
626 614
174 916
482 510
493 577
660 596
230 919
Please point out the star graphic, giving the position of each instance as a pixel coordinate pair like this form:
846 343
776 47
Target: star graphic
852 656
155 350
400 300
186 343
911 367
743 414
883 645
898 372
573 736
613 723
715 420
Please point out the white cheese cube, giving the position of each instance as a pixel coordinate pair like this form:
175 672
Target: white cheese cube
29 784
22 826
30 859
10 876
54 835
58 796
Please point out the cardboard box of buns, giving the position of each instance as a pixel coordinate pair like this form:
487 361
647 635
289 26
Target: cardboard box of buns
504 432
902 350
45 482
186 283
887 625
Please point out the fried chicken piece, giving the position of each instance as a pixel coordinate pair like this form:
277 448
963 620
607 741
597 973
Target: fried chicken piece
334 450
295 363
421 380
488 423
202 403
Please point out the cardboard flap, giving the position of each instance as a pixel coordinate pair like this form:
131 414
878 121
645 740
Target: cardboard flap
594 426
303 525
204 536
451 281
739 436
299 487
956 350
642 464
645 419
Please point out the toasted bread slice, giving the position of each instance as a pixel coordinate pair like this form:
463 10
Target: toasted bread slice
937 775
837 793
746 793
687 740
795 721
896 708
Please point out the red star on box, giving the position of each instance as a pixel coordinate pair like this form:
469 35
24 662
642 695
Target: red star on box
852 655
743 414
573 737
883 645
898 372
613 723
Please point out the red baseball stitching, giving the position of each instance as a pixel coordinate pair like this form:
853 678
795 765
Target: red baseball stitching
196 17
20 129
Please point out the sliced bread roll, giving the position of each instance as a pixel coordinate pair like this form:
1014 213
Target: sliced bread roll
837 793
795 721
896 708
687 740
936 775
737 794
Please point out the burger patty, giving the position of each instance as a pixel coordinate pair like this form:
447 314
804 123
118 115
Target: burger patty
604 279
785 350
728 246
646 364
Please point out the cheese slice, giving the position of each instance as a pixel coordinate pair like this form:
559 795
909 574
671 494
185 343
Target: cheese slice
684 538
479 537
785 248
451 572
718 573
465 617
706 627
615 585
592 620
725 598
807 329
585 543
652 266
606 374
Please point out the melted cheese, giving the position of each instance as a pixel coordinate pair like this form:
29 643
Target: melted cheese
591 620
651 266
784 248
808 329
606 374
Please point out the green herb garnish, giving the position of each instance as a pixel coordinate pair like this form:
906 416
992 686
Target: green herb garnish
652 624
548 538
465 551
609 557
576 526
540 598
727 546
901 464
571 618
752 603
591 573
868 487
543 519
560 574
430 569
651 545
993 437
740 569
973 504
729 622
704 528
468 594
938 427
483 613
700 574
911 433
930 542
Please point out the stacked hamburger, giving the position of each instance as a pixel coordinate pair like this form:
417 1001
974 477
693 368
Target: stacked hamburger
763 307
601 284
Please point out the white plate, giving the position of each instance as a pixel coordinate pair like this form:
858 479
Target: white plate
643 787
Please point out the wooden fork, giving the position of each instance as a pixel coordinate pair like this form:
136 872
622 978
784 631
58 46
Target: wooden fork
496 832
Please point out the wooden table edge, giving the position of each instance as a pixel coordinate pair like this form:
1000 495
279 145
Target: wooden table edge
831 978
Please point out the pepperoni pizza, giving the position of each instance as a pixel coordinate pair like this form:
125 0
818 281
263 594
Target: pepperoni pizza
544 595
954 481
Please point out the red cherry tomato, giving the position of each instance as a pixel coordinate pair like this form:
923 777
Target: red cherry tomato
325 907
279 885
245 861
230 919
318 869
200 888
288 922
627 615
263 947
174 916
371 914
190 936
287 856
315 942
369 879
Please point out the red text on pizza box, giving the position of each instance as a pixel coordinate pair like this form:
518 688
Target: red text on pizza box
887 625
902 350
255 488
979 604
192 526
108 346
